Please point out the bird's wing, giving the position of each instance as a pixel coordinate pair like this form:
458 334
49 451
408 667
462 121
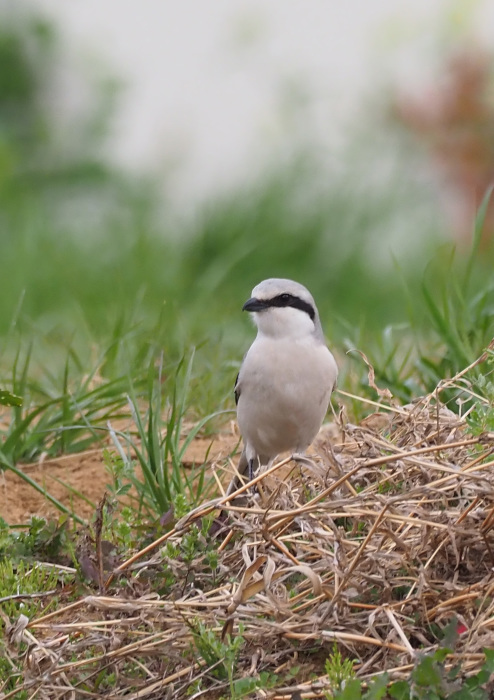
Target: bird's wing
236 389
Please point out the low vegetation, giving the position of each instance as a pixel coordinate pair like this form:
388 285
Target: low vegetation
375 555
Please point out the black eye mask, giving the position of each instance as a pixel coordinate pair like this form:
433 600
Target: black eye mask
280 301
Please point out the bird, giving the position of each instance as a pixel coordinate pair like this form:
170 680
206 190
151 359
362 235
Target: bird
284 385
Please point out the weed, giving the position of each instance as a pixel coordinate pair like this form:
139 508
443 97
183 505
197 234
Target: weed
40 539
338 670
53 424
161 446
481 417
24 587
430 679
221 657
11 675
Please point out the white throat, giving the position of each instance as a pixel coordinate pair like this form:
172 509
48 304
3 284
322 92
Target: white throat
284 322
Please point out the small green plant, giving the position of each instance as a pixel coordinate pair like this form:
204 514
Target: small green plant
191 544
221 656
161 445
338 670
431 679
11 674
40 539
24 587
481 417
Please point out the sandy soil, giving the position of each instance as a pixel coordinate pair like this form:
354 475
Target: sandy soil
85 472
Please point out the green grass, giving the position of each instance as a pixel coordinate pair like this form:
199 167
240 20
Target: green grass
66 372
160 446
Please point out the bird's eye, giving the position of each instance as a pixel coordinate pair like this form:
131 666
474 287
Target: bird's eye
285 297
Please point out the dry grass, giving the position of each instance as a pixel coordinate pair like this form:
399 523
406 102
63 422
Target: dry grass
374 545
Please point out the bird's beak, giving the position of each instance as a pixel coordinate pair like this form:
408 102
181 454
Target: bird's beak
254 304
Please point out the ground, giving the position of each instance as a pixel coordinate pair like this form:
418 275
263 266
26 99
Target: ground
85 473
376 548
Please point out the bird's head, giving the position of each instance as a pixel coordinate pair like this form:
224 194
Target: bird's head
283 308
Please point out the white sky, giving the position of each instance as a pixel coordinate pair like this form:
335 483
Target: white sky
205 84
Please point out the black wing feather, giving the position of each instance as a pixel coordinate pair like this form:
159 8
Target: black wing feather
236 390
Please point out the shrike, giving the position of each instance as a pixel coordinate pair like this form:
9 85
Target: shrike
286 378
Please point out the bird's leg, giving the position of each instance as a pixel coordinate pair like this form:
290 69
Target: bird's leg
251 469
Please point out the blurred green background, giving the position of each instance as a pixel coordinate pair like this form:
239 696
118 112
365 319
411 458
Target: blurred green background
93 254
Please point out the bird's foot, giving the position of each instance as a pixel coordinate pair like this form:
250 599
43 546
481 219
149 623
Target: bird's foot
302 458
